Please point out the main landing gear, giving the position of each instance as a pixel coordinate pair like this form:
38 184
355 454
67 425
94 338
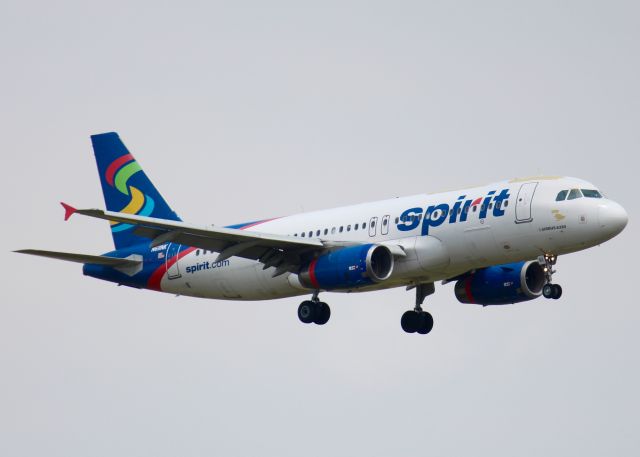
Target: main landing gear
418 320
314 311
549 290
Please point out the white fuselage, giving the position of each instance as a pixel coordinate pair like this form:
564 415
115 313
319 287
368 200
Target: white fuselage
529 223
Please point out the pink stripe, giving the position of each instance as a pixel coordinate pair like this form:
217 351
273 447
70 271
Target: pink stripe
258 223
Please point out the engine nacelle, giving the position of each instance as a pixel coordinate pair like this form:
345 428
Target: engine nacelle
349 267
502 284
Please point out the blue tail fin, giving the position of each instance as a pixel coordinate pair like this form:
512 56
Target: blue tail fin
126 188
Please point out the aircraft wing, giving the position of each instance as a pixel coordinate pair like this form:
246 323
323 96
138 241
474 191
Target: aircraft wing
284 252
83 258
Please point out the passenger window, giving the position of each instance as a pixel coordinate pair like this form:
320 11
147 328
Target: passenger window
310 234
384 222
364 225
562 195
326 231
341 228
591 193
302 234
475 208
506 203
397 220
373 223
333 230
575 193
349 228
355 227
317 232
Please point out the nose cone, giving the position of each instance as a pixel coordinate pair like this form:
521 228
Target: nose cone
612 217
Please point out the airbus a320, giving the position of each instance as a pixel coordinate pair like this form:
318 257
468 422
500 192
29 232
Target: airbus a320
498 243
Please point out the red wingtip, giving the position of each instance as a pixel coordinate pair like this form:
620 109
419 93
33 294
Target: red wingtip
68 210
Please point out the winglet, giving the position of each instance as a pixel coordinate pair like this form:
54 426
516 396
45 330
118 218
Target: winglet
68 210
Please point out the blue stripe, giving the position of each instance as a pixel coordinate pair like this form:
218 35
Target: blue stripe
120 227
148 207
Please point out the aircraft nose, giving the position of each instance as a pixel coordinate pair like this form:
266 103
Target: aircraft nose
613 218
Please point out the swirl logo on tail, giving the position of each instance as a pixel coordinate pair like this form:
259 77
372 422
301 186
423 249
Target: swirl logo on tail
117 176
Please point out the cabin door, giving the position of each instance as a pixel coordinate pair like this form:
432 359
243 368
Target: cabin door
523 202
172 264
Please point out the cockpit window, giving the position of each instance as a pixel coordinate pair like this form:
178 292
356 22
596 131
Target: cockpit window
574 193
591 193
562 195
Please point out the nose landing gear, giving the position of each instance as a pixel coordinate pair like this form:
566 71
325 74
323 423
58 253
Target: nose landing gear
549 290
418 320
314 311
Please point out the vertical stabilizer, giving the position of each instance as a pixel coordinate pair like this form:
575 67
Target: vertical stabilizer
126 188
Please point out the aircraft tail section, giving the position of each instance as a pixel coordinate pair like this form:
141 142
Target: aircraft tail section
126 188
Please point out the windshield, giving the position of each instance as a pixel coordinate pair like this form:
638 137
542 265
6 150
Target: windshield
574 193
591 193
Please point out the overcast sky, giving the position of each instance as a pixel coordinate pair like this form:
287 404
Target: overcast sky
244 110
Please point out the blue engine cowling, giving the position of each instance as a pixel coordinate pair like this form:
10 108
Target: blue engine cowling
502 284
349 267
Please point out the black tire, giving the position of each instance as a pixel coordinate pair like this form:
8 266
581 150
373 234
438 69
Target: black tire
307 312
323 313
557 291
425 323
547 291
409 322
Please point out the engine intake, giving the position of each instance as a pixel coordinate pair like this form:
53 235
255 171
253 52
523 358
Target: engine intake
349 267
502 284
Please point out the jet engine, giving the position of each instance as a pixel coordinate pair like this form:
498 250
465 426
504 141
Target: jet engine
502 284
348 267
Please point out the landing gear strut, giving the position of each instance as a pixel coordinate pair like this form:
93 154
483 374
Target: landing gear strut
314 311
549 290
419 320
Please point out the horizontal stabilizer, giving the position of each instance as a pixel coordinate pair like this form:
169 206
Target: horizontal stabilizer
83 258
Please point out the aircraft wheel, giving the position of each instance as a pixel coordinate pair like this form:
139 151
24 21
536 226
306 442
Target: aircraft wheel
547 291
409 322
425 323
307 311
323 313
557 291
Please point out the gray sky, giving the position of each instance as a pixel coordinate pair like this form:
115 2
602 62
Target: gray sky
243 110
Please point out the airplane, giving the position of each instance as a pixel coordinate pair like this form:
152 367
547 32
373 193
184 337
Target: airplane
498 243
